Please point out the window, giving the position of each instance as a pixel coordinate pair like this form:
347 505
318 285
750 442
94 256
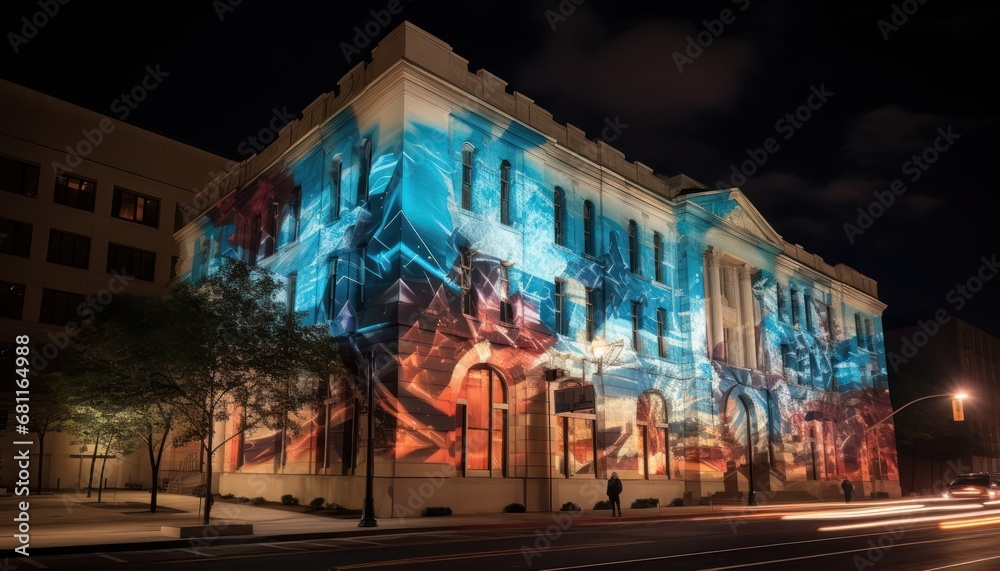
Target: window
637 326
467 151
481 424
128 205
559 301
829 321
858 332
18 177
785 358
794 300
253 240
59 307
74 191
331 290
653 434
781 303
809 311
633 247
559 215
579 446
336 167
661 331
131 262
15 238
364 170
69 249
270 236
658 257
869 334
506 309
289 227
588 228
173 266
505 192
591 304
468 294
11 300
290 285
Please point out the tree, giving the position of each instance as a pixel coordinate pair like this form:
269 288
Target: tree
49 410
244 354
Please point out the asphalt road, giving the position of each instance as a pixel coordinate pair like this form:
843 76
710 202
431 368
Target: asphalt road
819 541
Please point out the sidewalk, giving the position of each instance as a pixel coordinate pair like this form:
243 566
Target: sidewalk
70 523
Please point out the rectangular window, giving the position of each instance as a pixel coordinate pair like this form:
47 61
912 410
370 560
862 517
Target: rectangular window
69 249
467 151
270 230
506 309
829 321
131 262
468 295
364 170
11 300
858 332
633 247
74 191
637 326
793 299
781 303
658 257
18 177
129 205
15 238
591 304
809 311
661 331
335 177
869 334
505 192
558 216
588 228
559 301
579 445
290 285
59 307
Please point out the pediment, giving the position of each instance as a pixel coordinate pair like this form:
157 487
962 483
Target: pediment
736 210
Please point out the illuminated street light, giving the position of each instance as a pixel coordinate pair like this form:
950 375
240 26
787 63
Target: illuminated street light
959 396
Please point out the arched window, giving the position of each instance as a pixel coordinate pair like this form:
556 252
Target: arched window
559 215
467 151
653 434
633 247
588 228
288 229
504 192
658 257
481 424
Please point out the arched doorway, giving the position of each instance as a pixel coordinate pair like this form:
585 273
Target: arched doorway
742 426
480 446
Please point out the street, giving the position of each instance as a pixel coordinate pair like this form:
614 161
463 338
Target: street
930 535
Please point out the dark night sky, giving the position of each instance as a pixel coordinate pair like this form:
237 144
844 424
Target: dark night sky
610 61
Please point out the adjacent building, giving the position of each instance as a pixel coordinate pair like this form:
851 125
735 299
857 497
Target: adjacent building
537 312
87 211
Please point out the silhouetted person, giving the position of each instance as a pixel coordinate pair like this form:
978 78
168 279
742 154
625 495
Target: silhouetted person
848 490
614 494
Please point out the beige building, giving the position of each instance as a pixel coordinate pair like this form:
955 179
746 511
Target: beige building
87 210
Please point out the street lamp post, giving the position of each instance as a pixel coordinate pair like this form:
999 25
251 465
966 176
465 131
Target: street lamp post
368 513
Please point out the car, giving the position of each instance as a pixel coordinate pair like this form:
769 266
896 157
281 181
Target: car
979 485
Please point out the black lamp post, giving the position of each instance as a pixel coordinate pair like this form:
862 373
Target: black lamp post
368 512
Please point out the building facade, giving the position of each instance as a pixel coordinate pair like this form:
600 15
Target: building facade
88 211
478 258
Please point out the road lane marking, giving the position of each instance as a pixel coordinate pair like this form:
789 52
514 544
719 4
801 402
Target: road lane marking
194 552
964 563
276 546
111 557
29 561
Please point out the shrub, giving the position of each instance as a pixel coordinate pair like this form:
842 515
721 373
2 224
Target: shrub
602 505
226 497
570 507
317 503
677 502
333 506
258 500
435 511
242 500
514 508
646 503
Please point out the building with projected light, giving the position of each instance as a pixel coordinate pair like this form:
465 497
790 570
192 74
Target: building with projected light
480 259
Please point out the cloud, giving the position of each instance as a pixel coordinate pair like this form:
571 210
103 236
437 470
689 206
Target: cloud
633 74
891 131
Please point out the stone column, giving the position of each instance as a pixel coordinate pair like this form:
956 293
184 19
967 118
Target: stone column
713 280
747 324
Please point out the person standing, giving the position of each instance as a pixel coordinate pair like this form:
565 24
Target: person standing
614 494
848 489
